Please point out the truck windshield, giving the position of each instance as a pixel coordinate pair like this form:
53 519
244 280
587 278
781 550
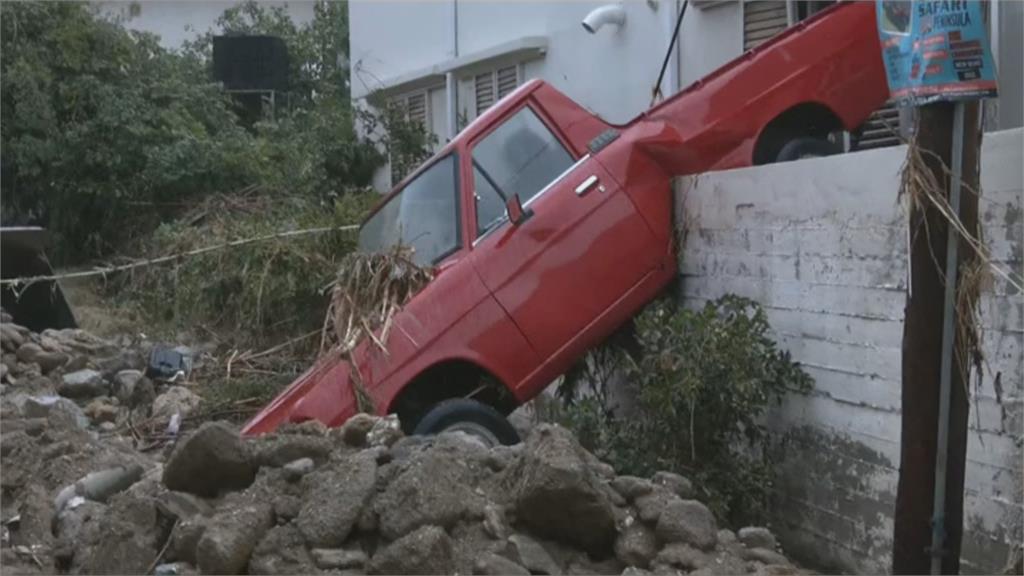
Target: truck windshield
424 215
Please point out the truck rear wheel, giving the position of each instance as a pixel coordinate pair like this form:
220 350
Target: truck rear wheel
474 418
800 148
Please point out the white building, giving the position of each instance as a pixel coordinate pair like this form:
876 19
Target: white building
448 60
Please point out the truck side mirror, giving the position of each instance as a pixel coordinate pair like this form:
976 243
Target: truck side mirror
516 213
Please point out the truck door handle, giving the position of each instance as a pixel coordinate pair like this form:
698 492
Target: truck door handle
586 185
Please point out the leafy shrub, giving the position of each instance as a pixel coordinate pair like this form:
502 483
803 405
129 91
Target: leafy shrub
705 377
106 134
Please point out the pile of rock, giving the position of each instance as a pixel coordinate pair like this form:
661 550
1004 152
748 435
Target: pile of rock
359 499
103 378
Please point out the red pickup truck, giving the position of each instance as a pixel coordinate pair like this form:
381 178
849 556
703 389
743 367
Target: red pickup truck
549 228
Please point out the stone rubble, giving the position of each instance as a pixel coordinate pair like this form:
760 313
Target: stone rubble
81 497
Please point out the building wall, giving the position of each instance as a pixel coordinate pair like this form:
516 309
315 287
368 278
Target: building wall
821 244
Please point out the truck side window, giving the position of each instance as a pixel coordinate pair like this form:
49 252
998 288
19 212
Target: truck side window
519 157
424 215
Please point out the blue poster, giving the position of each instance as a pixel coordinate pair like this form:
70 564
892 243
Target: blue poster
935 50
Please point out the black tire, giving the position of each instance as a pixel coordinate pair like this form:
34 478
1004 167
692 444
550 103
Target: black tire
471 417
800 148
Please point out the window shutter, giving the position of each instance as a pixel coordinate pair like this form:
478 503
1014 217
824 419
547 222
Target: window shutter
881 129
762 19
484 88
417 108
508 79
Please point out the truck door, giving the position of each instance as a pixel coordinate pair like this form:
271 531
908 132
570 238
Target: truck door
583 246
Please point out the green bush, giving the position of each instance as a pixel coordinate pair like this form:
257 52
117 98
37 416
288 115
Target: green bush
705 377
106 134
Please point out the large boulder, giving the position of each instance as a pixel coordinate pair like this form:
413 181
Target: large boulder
124 541
426 550
335 500
433 487
231 536
687 521
556 493
530 554
678 485
212 460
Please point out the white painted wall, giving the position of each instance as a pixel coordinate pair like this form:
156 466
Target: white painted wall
176 21
821 244
709 38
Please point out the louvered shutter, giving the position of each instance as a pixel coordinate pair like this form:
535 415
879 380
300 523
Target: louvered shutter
484 88
508 79
417 108
762 19
881 129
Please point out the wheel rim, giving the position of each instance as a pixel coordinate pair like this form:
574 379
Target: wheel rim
475 430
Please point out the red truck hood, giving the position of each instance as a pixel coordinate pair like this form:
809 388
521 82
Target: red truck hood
322 393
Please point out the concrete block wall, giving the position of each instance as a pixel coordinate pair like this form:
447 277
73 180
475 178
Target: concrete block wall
822 245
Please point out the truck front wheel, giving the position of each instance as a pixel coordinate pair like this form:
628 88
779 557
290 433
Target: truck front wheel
474 418
800 148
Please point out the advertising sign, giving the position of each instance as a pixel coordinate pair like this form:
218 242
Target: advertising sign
935 50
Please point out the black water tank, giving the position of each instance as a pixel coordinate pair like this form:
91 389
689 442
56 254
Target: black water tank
251 62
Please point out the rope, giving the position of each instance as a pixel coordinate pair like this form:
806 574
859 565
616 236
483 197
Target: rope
25 282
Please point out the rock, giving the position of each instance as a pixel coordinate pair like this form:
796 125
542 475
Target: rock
556 494
176 400
143 395
678 485
495 524
31 353
683 556
634 571
230 538
584 566
757 537
101 410
182 505
124 384
44 406
296 469
687 521
100 485
426 550
281 551
280 449
286 508
726 537
527 552
764 556
338 558
10 338
214 459
82 384
723 564
108 427
636 545
124 541
631 487
353 432
72 519
305 428
432 488
335 499
649 506
385 431
491 564
186 536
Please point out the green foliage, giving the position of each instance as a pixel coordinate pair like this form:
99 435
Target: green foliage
705 377
106 134
253 294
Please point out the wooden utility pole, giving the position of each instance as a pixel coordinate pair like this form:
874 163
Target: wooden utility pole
922 352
